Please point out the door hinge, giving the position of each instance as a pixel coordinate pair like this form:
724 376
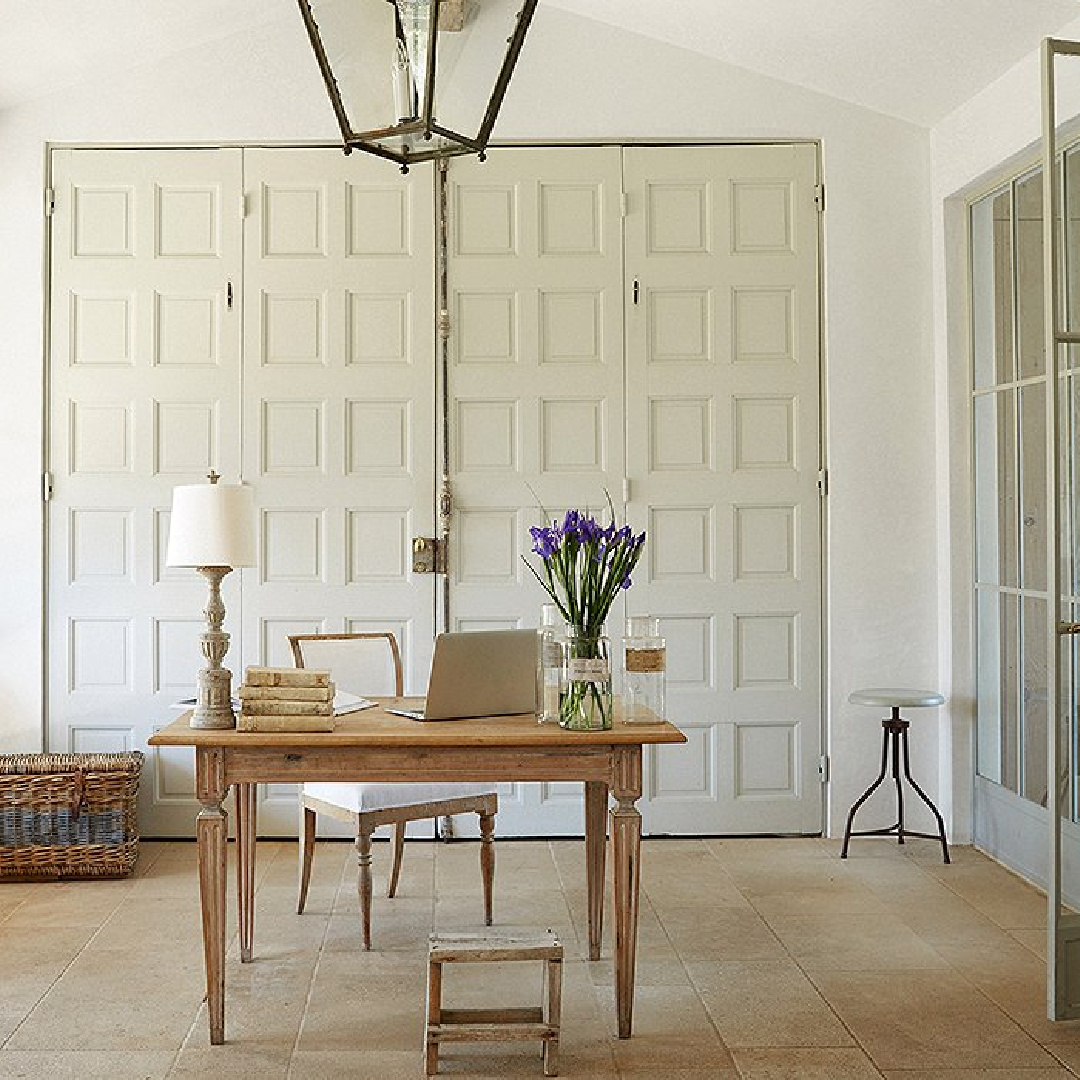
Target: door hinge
624 204
50 201
819 197
637 291
823 481
243 205
46 486
823 768
626 490
229 296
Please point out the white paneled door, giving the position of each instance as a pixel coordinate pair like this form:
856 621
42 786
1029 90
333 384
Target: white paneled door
339 406
723 460
639 323
535 385
144 393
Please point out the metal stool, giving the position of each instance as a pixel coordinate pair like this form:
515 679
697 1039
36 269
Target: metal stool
894 734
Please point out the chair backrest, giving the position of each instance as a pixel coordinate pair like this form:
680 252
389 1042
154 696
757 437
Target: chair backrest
365 664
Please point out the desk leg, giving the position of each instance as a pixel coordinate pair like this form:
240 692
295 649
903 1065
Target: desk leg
210 830
626 830
596 802
245 866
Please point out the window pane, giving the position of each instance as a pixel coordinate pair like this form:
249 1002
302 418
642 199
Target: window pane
1010 696
1033 484
995 489
1068 482
988 684
1035 701
1071 185
991 266
1069 730
1029 275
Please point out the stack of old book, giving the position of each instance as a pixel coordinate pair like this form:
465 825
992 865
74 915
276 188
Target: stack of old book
286 699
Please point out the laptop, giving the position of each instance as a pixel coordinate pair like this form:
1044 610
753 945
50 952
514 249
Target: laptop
480 673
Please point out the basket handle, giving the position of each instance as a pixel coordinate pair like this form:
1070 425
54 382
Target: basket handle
79 794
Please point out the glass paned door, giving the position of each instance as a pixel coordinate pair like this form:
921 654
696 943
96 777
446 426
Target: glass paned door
1009 435
1025 323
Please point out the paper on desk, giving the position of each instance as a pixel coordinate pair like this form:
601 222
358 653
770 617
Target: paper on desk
344 702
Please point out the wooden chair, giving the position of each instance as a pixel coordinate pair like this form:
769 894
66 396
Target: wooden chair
370 664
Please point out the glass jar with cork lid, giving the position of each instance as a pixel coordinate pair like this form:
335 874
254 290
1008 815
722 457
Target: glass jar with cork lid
644 670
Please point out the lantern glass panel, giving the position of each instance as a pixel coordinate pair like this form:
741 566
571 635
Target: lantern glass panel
360 44
380 71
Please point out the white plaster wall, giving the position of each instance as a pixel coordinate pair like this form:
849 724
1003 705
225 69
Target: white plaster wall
576 79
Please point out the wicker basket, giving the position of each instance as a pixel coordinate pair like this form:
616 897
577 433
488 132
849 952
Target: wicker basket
68 815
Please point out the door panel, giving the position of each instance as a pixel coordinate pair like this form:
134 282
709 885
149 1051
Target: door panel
722 376
338 408
535 386
144 394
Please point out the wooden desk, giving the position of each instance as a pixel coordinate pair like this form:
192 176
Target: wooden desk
377 746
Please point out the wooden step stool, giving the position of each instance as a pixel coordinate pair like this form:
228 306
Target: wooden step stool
494 1025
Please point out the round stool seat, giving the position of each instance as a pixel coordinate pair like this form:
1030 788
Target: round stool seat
892 697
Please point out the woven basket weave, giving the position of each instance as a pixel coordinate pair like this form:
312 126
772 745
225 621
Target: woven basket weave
68 815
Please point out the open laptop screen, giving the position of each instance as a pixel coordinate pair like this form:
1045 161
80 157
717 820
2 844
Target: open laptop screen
483 673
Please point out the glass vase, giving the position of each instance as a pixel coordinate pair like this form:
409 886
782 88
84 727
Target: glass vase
586 700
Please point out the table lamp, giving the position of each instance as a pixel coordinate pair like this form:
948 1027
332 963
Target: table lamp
213 530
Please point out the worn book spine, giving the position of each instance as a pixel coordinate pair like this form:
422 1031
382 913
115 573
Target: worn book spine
286 693
259 722
268 676
287 708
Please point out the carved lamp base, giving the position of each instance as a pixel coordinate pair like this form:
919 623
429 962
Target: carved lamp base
213 700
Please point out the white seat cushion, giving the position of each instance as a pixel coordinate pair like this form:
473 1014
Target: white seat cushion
360 798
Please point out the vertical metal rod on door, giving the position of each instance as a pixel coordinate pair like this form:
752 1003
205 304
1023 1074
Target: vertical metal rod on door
1063 929
444 507
444 826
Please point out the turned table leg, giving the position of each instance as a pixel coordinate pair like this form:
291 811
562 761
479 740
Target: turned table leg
626 844
210 831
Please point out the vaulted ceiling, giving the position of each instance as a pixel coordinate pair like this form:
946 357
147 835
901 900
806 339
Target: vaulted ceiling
913 59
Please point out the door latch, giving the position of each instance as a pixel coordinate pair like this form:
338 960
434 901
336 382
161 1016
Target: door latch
428 555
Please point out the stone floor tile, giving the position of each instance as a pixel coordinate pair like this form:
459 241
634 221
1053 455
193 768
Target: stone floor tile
799 1063
978 1074
1065 1046
85 1064
845 941
356 1064
928 1020
766 1003
720 932
237 1061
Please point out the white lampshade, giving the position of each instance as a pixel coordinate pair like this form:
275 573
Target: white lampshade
212 525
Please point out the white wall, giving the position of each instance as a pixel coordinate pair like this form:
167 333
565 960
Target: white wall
576 79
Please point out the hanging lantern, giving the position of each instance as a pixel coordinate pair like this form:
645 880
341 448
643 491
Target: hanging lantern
407 77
